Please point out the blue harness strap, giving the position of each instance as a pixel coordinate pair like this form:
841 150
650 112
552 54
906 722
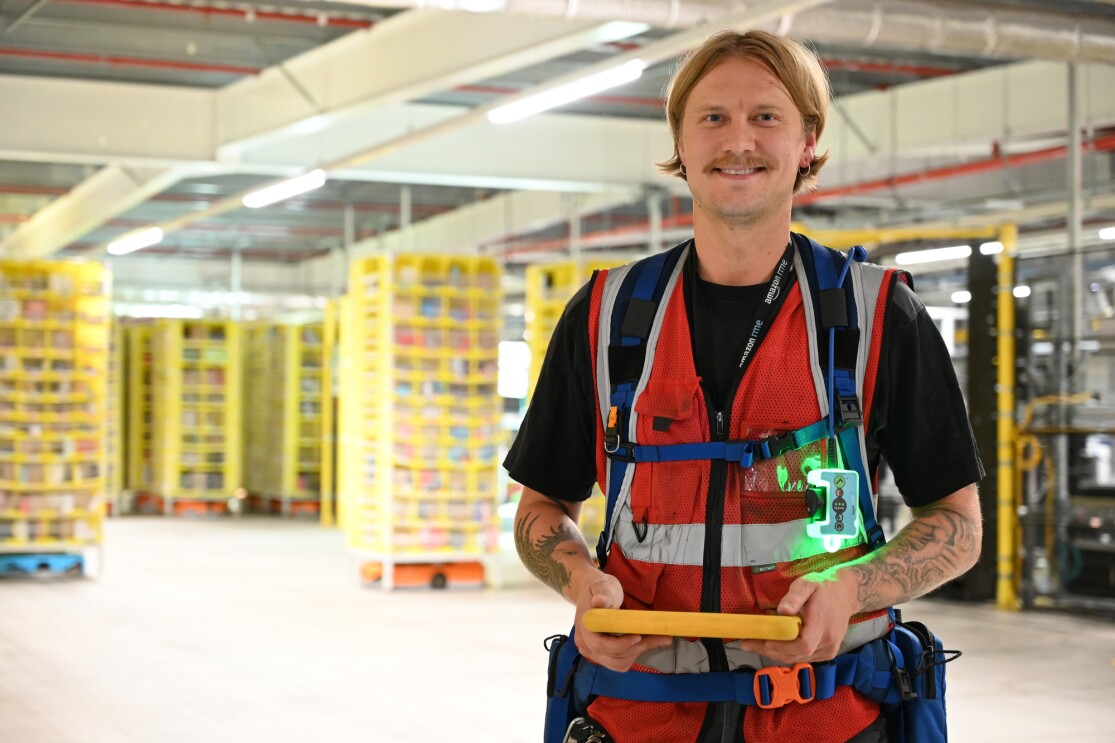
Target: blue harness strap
868 670
745 453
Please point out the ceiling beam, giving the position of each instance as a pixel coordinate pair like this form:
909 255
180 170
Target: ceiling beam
465 229
407 57
112 190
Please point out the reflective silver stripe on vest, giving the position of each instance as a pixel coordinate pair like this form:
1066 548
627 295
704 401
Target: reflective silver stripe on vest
811 336
686 656
743 545
867 283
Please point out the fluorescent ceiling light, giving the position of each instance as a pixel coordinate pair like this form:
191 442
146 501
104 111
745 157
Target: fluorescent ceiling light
961 297
931 256
1107 233
286 189
619 30
135 241
482 6
563 94
991 248
1022 291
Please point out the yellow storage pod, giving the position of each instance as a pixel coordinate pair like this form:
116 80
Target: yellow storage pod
141 474
420 414
54 363
549 287
284 390
197 415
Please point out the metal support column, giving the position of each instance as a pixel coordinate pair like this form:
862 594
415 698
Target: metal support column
1006 596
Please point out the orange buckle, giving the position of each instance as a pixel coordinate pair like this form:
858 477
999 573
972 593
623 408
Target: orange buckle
776 686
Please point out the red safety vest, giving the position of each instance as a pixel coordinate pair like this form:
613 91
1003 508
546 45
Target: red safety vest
657 542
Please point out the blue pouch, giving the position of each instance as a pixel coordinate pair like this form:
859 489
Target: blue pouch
920 673
560 703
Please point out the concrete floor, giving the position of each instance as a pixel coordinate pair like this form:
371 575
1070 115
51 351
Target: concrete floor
258 630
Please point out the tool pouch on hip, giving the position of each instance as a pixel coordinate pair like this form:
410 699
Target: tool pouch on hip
560 705
919 668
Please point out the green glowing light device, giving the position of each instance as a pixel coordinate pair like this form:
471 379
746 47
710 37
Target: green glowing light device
835 506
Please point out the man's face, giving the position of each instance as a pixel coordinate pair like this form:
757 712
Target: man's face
742 143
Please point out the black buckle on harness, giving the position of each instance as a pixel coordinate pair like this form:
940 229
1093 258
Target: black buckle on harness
617 450
850 413
777 445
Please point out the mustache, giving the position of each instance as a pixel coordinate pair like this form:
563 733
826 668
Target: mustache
737 163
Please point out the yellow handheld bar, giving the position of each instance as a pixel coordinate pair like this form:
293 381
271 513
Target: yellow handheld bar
692 624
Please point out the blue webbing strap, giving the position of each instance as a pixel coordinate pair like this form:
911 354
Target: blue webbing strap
867 670
743 452
842 382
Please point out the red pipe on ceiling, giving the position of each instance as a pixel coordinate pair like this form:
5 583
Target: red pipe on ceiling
995 162
263 15
104 59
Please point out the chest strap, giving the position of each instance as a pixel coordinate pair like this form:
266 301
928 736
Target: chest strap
745 452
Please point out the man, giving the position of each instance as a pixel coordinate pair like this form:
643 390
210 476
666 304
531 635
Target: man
746 111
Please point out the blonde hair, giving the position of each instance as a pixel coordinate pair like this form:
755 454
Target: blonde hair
795 66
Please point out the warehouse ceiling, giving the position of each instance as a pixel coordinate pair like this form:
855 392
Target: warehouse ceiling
122 114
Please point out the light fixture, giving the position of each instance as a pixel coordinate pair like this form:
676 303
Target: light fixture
1107 233
285 189
991 248
933 255
562 94
135 241
1022 291
961 297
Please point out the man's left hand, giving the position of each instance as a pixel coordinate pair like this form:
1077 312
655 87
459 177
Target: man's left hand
825 602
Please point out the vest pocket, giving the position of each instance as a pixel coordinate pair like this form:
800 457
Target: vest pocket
662 492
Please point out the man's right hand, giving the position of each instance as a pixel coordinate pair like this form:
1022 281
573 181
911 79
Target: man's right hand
612 652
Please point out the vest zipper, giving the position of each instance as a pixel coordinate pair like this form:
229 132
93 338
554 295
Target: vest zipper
714 531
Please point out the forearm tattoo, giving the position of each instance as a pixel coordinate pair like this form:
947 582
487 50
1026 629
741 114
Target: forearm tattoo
540 557
930 551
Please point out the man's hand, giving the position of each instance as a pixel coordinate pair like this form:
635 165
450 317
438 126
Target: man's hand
825 603
615 653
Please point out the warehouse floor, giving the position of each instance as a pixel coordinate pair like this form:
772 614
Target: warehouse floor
257 630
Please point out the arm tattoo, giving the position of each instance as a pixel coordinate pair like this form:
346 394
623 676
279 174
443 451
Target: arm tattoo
539 557
930 551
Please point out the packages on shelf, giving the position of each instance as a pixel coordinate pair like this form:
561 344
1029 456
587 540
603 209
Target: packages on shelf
62 503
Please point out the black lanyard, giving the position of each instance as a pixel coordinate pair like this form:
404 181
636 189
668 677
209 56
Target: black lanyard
772 300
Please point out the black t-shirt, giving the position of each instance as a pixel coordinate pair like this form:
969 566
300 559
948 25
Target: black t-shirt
918 424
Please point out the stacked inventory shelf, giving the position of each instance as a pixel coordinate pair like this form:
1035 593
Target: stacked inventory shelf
285 432
549 288
197 415
328 413
54 361
258 410
420 415
141 472
114 438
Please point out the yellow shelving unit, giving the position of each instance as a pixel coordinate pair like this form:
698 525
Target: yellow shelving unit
197 414
420 415
140 474
549 287
284 391
258 390
54 364
328 414
114 435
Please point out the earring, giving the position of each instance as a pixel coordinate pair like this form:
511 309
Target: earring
683 170
808 169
